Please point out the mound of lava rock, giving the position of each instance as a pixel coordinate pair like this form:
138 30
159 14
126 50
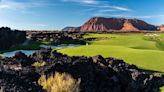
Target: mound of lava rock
10 38
97 74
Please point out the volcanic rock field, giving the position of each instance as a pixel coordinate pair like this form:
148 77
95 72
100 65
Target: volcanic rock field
97 74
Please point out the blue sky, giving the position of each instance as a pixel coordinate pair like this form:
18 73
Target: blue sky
57 14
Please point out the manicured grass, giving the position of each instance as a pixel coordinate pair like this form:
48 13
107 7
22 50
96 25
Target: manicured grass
162 89
66 43
132 48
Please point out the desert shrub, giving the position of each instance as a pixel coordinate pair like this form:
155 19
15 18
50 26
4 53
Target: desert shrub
59 83
39 64
1 56
152 37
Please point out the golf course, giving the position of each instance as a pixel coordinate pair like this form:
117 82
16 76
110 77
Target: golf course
143 50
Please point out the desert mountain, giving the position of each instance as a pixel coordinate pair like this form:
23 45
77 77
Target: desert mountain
161 28
106 24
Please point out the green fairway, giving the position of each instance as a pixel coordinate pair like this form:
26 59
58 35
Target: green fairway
162 89
137 49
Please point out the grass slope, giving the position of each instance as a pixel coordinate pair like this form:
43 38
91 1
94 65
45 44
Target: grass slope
132 48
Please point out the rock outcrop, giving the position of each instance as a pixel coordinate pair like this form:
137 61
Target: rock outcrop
111 24
97 74
57 37
10 38
128 26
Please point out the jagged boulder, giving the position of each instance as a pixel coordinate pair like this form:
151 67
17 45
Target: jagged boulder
22 59
16 78
20 55
41 55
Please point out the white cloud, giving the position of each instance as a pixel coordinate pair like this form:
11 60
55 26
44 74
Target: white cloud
106 10
124 15
120 8
110 7
9 4
108 15
97 7
83 1
88 10
98 4
150 16
20 6
4 6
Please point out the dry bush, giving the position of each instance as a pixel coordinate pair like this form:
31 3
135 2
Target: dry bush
39 64
59 83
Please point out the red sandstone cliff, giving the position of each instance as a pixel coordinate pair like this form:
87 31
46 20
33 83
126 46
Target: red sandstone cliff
128 26
161 28
105 24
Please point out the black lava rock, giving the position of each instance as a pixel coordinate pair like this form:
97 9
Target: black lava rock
97 74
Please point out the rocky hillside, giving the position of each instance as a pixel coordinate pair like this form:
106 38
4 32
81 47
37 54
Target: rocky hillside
57 37
97 74
105 24
10 38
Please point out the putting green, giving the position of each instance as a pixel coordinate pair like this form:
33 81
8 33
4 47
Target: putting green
132 48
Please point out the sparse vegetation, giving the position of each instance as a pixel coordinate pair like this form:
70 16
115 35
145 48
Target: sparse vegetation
59 83
39 64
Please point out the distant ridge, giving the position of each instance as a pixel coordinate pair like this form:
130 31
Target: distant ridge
107 24
71 29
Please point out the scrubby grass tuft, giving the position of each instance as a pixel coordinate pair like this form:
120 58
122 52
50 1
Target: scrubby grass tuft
60 83
38 64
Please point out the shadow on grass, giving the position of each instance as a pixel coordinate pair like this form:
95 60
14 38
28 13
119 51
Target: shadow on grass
36 45
32 46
